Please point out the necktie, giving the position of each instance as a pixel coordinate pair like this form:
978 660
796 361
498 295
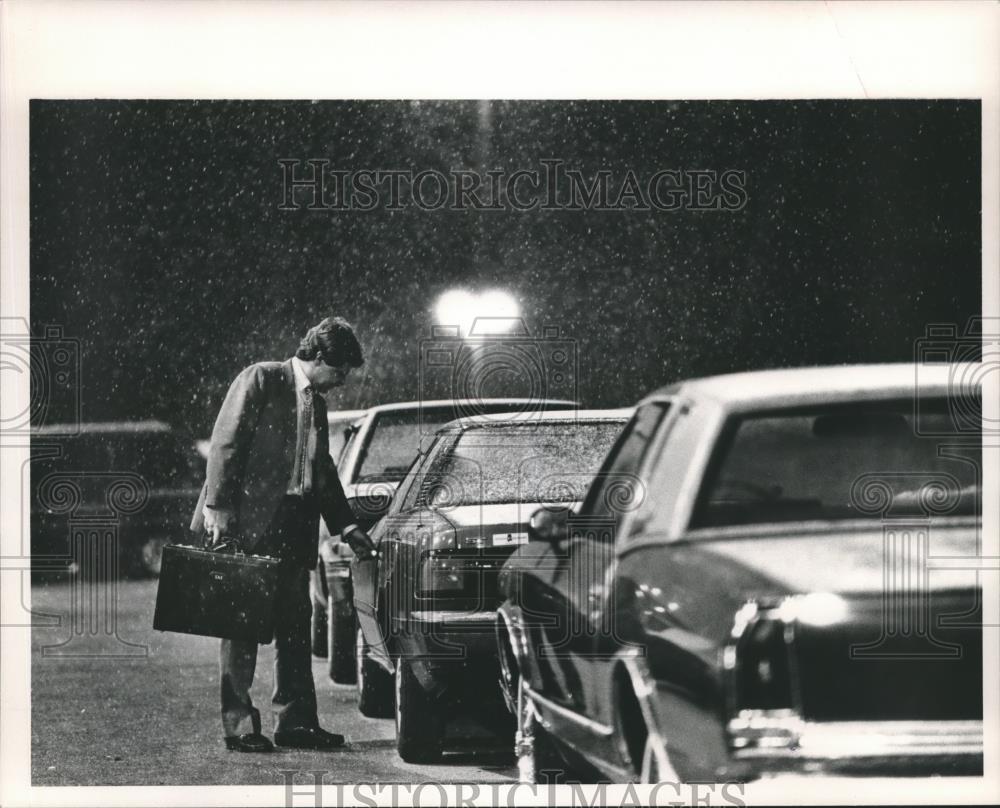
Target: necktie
307 461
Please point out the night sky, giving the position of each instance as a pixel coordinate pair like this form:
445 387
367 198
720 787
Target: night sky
158 241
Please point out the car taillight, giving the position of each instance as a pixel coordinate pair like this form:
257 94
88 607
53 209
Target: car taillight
443 575
758 661
458 575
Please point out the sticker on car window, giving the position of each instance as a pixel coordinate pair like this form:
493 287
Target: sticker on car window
509 538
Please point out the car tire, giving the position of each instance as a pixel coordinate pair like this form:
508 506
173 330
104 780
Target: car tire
340 641
373 682
419 724
319 630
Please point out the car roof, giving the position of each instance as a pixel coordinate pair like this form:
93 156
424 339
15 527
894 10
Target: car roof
465 402
761 389
96 427
344 415
564 416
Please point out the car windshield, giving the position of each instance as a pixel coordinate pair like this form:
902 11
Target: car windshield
546 462
840 463
395 436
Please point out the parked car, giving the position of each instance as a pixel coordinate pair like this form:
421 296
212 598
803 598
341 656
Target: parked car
426 606
136 481
380 447
750 586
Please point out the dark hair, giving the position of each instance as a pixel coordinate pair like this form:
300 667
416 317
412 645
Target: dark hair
335 339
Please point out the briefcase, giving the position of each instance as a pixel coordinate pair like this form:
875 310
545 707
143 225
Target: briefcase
216 594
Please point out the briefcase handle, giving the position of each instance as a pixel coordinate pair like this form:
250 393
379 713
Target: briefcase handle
225 545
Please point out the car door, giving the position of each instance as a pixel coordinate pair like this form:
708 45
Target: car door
620 496
563 596
370 574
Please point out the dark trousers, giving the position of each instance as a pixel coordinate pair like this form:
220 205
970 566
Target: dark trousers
293 702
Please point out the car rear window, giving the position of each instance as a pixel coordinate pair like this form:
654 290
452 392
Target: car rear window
395 436
840 463
546 462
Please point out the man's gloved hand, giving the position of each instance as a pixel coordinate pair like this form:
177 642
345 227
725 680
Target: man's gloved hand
218 522
361 543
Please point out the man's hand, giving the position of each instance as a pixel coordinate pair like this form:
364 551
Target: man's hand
217 522
361 543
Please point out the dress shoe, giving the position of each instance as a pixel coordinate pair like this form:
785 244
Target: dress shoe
309 738
250 742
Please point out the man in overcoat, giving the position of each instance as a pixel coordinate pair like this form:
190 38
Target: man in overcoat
269 479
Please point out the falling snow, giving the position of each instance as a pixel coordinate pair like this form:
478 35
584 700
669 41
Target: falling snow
158 242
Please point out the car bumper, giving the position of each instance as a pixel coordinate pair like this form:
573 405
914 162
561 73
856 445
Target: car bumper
444 645
770 740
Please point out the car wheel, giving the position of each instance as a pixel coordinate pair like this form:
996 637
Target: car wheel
151 556
419 725
340 642
319 630
538 760
373 682
656 765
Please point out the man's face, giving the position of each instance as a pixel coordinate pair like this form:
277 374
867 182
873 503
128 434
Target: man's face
326 377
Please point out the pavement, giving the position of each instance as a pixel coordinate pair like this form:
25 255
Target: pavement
116 703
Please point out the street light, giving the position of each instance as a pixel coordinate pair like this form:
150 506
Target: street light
491 312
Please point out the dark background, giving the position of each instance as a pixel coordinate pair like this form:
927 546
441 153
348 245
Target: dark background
158 242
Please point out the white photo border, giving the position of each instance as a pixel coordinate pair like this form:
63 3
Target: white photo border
467 50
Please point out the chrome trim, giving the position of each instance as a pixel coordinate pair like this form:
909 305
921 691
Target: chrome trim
644 687
461 618
783 734
588 723
519 640
808 528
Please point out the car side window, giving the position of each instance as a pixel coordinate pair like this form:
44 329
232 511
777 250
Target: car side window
617 490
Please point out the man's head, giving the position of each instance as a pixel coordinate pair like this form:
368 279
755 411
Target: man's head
329 351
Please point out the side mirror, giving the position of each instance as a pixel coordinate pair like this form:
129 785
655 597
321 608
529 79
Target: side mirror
369 509
548 525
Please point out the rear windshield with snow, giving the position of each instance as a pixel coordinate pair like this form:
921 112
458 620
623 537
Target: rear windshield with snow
395 435
545 462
